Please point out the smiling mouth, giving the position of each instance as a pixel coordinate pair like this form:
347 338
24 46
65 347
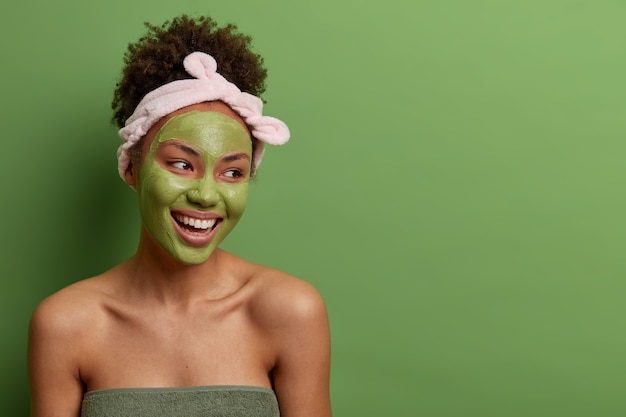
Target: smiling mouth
194 225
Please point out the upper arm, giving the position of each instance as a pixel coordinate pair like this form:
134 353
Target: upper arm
55 385
302 369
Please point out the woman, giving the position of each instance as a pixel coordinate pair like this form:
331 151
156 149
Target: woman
184 328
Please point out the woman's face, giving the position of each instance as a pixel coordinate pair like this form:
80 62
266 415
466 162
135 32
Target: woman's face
193 184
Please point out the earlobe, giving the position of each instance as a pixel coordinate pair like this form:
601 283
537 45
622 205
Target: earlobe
130 176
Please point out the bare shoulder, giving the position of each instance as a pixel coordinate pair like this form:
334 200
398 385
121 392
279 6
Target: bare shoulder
285 300
66 304
59 332
292 315
68 311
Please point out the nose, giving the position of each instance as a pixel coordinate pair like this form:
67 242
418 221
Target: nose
205 193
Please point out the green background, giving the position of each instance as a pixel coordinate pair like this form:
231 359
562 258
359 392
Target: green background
454 187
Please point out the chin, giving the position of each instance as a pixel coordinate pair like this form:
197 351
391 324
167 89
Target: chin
197 257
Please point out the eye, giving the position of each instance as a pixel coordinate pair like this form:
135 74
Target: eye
233 173
183 165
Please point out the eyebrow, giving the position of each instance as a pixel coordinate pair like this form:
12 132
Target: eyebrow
235 157
184 148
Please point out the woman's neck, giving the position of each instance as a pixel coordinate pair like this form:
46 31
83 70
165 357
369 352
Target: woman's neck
155 274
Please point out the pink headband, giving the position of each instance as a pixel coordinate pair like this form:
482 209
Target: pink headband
207 85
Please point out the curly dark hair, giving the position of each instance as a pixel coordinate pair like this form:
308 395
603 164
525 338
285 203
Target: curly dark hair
157 59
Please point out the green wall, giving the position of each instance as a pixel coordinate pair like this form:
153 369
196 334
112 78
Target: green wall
454 187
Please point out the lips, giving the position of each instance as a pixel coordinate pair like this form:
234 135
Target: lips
196 228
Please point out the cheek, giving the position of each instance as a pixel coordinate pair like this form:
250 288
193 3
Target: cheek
156 188
237 198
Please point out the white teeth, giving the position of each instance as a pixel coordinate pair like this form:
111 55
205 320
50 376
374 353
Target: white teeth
196 223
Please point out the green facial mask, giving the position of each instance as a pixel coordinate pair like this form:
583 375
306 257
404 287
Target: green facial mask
193 184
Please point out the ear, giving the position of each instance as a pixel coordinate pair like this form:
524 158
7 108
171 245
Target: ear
130 176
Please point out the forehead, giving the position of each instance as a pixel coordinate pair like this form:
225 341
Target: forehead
210 132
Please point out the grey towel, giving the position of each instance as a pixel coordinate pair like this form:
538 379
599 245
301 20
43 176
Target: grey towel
211 401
